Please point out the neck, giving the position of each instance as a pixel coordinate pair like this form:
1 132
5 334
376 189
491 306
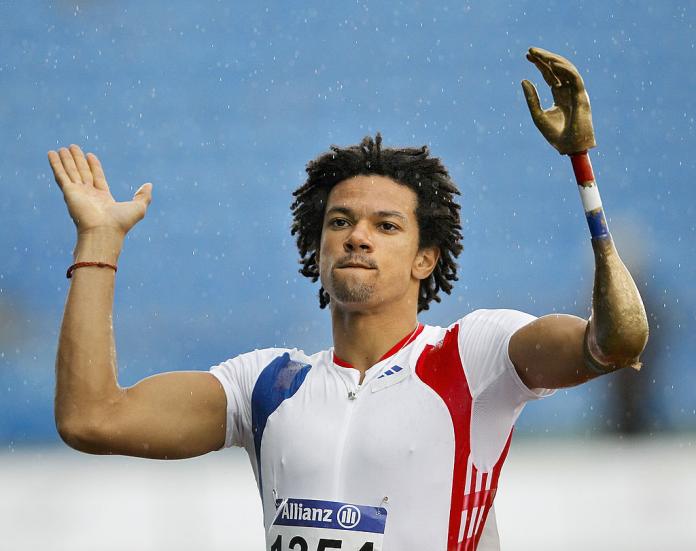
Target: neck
362 338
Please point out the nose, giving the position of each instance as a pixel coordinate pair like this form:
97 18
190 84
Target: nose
358 240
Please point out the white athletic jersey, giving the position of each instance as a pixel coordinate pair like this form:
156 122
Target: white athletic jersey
407 460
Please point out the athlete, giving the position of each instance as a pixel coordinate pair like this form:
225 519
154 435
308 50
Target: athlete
394 438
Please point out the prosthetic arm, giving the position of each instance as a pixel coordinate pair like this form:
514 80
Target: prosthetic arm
617 330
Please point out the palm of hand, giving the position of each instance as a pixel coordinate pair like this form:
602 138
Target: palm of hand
91 208
87 193
567 125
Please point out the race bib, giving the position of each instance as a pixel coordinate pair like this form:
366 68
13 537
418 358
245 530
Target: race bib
315 525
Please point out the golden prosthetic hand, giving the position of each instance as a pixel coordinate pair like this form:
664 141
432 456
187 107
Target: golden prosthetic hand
567 125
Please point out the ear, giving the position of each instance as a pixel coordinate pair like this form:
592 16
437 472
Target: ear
425 262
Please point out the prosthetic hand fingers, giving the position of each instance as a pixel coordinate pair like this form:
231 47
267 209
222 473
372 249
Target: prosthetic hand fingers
545 68
533 102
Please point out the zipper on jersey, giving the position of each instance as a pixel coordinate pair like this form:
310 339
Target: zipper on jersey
351 389
350 404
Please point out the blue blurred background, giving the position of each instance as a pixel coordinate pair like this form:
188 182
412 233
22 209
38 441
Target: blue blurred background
221 104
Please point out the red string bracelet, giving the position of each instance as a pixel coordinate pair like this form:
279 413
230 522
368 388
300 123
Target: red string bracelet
85 264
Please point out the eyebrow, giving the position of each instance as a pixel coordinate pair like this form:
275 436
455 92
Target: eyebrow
380 213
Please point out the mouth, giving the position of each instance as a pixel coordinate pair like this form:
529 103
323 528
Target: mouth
353 265
356 262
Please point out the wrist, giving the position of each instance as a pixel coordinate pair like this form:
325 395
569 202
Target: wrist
589 195
98 245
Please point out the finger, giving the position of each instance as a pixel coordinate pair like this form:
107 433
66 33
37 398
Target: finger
559 65
144 194
81 164
69 165
545 70
97 172
549 57
568 74
59 173
532 97
545 54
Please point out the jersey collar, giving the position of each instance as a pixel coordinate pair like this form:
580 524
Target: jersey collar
403 343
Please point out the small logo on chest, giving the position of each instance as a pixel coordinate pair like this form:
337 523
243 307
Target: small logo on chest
348 516
391 371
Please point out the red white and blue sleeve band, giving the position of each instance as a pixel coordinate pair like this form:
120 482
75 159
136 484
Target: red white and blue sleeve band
589 194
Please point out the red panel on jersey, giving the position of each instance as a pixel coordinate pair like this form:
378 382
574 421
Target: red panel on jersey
441 369
490 495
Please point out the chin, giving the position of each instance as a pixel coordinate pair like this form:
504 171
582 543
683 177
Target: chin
355 294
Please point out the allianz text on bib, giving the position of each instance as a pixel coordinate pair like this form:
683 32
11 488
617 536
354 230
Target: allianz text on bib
316 525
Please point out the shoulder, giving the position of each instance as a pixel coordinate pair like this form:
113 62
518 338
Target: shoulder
479 328
245 368
483 339
261 357
503 319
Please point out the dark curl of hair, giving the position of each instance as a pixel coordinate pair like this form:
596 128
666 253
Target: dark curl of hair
437 213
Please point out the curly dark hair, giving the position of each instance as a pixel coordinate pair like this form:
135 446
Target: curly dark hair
437 213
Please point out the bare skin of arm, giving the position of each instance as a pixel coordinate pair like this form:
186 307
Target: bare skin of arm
558 351
167 416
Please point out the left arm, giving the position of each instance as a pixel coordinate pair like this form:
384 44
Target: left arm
560 350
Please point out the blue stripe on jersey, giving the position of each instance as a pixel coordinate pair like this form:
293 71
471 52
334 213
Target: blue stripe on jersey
278 381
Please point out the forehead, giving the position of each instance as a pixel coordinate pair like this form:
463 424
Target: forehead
372 192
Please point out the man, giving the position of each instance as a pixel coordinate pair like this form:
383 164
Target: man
394 438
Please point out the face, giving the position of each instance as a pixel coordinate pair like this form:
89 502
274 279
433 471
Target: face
369 255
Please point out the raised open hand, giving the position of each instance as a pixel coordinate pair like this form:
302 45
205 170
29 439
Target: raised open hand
567 125
90 203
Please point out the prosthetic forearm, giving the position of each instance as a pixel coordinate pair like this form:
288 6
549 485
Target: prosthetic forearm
617 331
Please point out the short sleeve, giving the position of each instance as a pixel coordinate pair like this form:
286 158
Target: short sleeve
484 337
238 377
497 390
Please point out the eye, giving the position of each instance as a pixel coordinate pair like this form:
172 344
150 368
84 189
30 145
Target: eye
388 226
338 223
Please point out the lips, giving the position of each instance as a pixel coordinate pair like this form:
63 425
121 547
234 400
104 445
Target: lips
363 266
353 263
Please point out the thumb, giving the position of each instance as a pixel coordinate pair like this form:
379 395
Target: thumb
144 194
532 97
